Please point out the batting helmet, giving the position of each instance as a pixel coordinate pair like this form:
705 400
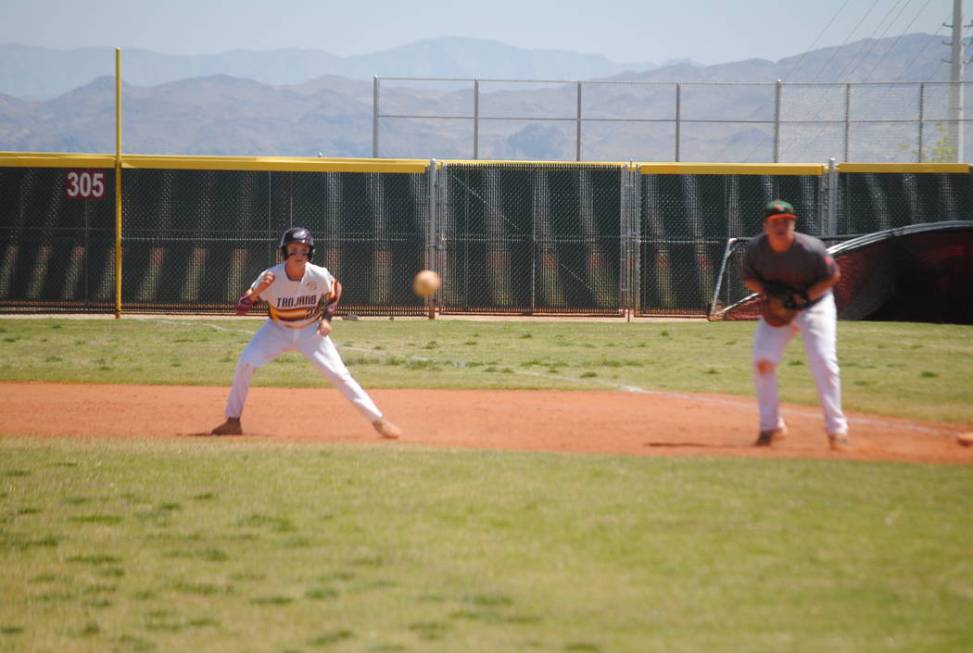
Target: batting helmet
297 235
780 209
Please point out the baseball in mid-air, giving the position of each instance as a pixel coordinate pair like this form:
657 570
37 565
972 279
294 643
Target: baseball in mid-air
426 283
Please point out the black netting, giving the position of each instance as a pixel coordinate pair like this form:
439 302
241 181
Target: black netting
194 240
869 202
916 277
531 239
56 251
507 238
686 221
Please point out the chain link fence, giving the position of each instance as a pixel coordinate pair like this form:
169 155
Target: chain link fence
57 248
531 239
687 219
668 121
507 237
194 239
874 201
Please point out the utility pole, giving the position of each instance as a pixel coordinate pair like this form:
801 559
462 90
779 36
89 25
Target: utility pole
956 81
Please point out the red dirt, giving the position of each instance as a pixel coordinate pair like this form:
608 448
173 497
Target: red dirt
647 424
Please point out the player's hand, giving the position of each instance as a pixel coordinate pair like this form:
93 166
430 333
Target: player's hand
244 304
265 281
324 328
796 300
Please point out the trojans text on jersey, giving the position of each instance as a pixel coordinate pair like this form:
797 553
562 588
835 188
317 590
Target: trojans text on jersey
295 311
295 302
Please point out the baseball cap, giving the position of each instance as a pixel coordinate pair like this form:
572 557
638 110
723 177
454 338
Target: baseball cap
779 210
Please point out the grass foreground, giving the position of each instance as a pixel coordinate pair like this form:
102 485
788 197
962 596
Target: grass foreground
230 545
222 545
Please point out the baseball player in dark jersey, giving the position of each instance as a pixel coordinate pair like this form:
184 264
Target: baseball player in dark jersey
796 269
301 300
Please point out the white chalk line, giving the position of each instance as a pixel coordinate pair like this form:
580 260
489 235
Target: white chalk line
744 405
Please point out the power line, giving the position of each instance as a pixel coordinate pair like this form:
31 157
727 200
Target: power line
854 29
848 39
891 48
797 66
867 48
918 58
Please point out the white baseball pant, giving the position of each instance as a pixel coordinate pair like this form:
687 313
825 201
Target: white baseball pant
818 327
272 340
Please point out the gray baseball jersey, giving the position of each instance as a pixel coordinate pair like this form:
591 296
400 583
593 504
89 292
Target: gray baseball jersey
804 264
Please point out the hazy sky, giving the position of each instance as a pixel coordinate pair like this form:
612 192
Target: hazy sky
626 31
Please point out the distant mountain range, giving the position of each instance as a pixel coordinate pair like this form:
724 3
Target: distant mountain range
300 103
33 73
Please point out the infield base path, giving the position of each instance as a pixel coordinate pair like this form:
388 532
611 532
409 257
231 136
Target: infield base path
644 424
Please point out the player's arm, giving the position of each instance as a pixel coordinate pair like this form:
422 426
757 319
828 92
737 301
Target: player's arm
330 308
766 288
830 276
252 294
331 301
751 278
755 285
826 284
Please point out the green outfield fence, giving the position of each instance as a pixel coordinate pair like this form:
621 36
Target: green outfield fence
519 237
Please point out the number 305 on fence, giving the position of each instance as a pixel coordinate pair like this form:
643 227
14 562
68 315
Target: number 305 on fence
84 185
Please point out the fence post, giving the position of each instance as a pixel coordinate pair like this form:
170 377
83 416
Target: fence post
624 249
678 111
118 183
631 250
831 225
476 119
777 89
375 117
430 261
442 222
847 118
922 93
577 155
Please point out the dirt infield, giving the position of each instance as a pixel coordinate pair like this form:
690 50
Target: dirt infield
645 424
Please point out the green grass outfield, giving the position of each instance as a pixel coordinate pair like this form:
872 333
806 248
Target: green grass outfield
238 545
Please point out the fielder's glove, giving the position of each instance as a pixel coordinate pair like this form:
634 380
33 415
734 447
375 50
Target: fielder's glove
779 304
774 312
796 300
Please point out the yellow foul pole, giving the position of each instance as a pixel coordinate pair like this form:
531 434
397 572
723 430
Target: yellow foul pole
118 183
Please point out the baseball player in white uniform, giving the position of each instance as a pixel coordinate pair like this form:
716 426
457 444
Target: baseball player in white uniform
781 258
301 301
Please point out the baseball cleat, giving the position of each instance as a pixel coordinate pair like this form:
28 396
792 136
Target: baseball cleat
230 427
839 442
768 437
387 429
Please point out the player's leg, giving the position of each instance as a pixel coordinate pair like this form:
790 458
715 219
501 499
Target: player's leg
818 326
267 343
769 344
325 357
